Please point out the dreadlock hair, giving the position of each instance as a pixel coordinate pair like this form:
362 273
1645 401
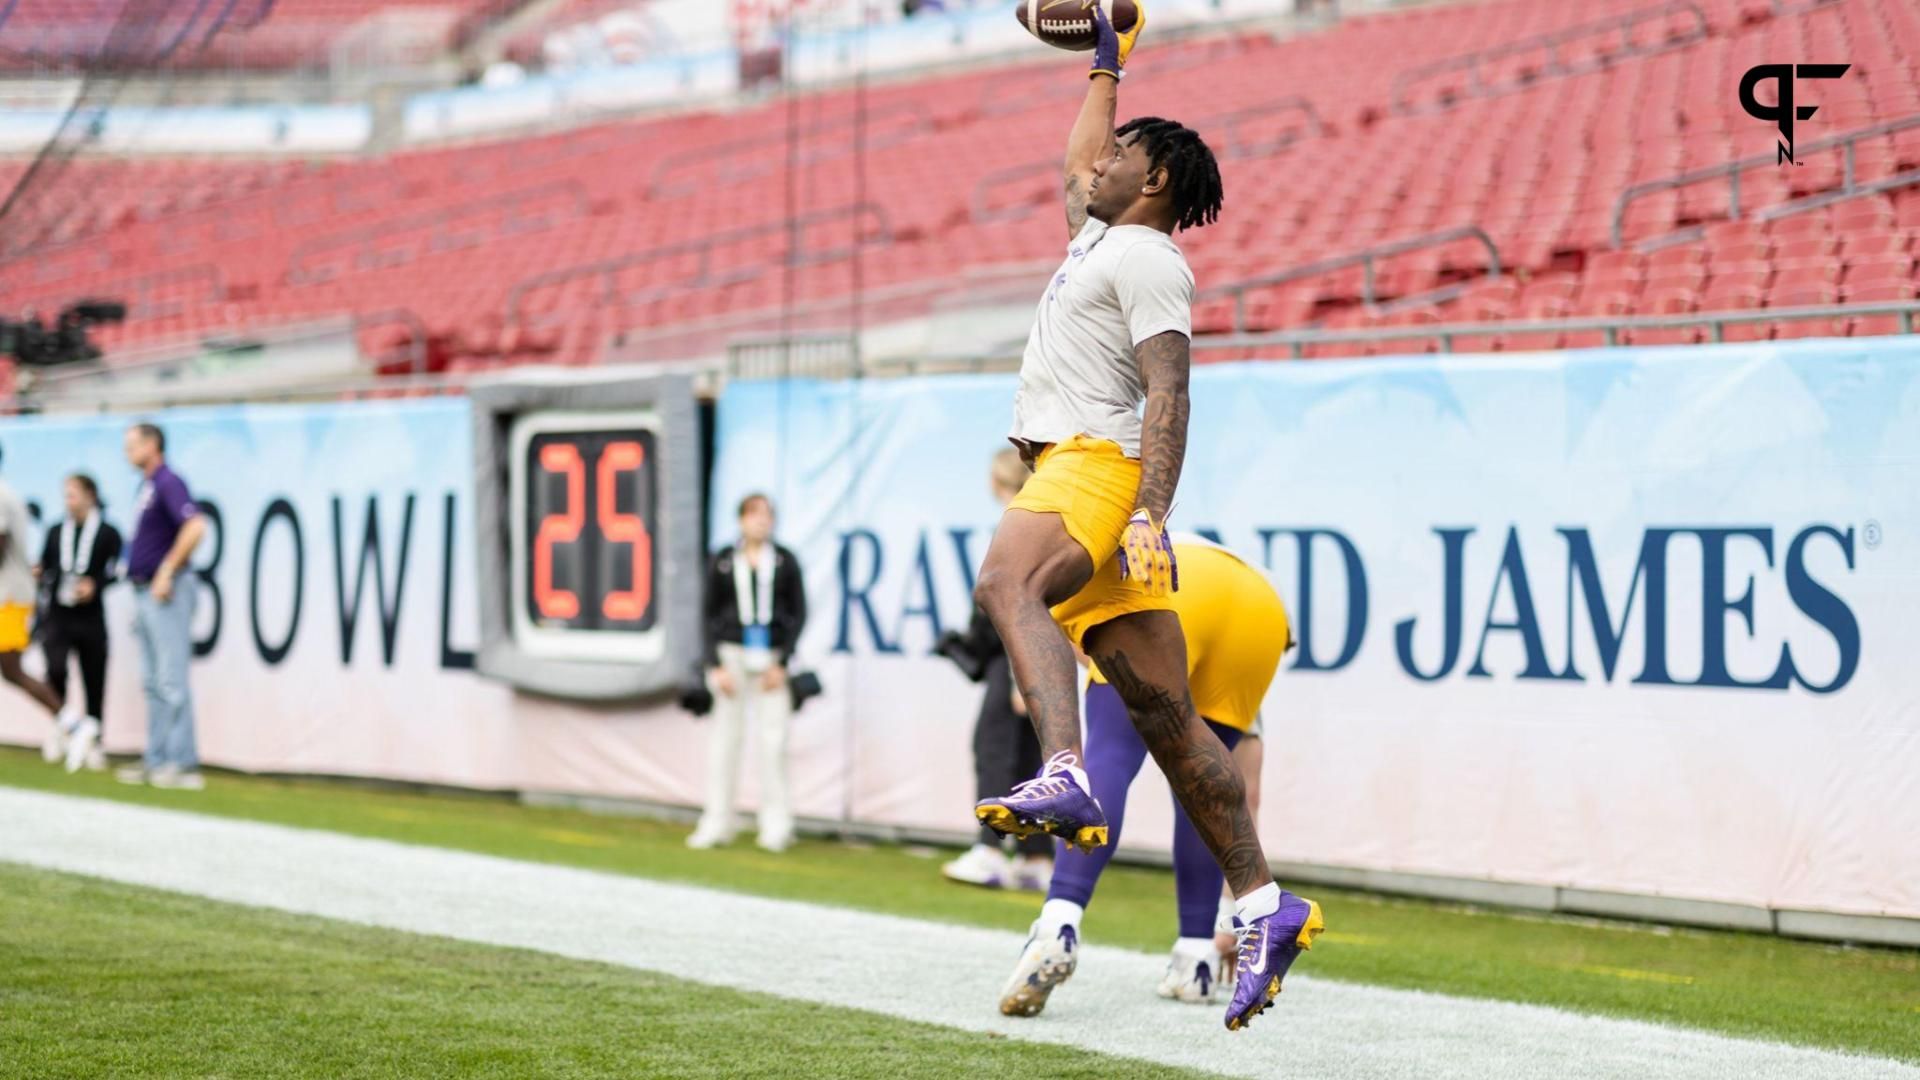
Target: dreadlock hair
1193 176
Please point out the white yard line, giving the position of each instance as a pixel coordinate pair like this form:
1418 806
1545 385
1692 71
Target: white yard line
916 970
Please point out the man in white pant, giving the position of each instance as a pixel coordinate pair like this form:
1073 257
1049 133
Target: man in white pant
756 606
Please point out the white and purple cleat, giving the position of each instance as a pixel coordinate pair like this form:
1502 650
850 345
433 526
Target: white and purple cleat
1057 802
1047 960
1268 947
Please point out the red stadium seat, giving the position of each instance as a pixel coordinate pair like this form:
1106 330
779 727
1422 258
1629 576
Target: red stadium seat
547 246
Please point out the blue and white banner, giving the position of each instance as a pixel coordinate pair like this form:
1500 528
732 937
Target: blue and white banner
339 609
1636 620
1625 620
337 635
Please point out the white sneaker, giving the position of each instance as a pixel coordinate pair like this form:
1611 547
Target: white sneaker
55 746
84 741
96 759
979 865
775 845
175 779
1047 961
1193 972
704 838
131 774
1031 874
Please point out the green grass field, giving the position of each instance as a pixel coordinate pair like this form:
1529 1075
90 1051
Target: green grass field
105 980
1821 995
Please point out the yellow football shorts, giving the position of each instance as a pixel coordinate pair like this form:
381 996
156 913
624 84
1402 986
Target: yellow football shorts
1092 485
1236 629
14 627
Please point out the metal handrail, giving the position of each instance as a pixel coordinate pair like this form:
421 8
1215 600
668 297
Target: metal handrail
417 331
1552 41
1611 327
298 273
161 355
1365 258
1731 171
605 269
1235 147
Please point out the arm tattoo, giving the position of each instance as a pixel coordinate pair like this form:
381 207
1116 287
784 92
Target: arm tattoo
1076 205
1164 363
1199 769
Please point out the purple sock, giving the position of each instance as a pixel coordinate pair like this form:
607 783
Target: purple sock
1114 754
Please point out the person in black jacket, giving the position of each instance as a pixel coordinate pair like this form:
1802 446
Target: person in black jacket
1005 748
756 606
77 563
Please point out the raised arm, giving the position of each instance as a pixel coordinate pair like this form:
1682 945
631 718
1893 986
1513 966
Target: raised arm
1090 141
1165 360
1092 137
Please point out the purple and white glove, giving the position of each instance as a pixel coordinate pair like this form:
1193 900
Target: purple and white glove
1110 52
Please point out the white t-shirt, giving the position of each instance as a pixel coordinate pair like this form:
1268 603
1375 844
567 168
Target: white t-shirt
16 566
1118 287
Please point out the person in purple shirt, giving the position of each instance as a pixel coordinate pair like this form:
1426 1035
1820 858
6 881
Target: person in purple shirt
167 526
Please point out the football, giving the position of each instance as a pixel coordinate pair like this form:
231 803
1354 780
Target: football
1068 24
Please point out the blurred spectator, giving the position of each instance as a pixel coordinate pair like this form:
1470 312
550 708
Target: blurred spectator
502 73
77 563
166 528
756 606
1005 748
16 613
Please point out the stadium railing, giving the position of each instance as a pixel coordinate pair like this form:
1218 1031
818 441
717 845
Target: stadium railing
1847 142
1368 260
1611 329
834 353
1552 45
819 362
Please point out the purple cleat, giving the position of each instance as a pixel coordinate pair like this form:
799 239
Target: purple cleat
1056 801
1268 947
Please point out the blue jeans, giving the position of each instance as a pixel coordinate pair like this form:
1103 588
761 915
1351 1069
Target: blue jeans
166 649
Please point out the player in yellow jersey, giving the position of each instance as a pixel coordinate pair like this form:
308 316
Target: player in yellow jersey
1236 630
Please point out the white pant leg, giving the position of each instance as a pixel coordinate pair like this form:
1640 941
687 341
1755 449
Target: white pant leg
723 746
773 713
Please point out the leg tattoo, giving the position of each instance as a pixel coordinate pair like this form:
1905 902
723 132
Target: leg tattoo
1198 767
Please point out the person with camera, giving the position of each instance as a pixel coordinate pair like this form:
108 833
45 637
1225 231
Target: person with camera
77 563
1005 749
756 606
